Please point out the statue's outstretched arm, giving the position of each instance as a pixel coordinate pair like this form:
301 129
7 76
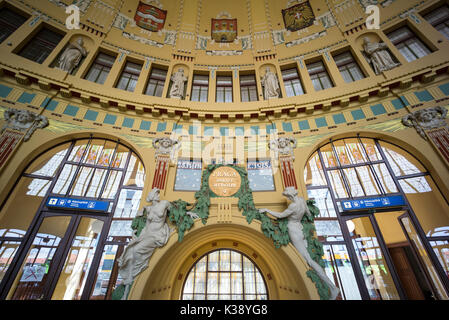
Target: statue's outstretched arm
279 215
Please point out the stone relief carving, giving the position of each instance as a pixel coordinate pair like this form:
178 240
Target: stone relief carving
378 55
271 84
294 214
284 146
177 88
24 121
72 56
426 119
165 146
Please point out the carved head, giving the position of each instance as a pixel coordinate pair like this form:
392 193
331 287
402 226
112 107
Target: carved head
290 193
80 41
366 40
426 115
24 116
153 195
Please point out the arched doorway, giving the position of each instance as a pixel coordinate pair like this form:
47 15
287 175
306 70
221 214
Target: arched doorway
66 220
383 222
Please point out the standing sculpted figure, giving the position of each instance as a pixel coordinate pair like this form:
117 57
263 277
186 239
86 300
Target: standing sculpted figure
154 235
294 213
177 88
270 84
72 56
378 55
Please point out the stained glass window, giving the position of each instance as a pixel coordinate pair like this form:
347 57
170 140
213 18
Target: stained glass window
224 275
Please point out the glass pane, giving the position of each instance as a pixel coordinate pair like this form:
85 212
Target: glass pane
128 203
94 151
313 173
441 249
338 268
82 180
337 184
106 154
371 260
401 161
368 181
385 178
135 173
104 273
329 230
323 201
422 252
73 276
48 163
21 206
96 183
328 156
78 150
64 179
112 184
226 280
356 189
371 149
429 205
8 250
34 275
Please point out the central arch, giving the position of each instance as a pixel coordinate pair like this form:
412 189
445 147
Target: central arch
283 269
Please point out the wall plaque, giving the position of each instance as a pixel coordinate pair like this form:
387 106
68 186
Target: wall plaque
225 181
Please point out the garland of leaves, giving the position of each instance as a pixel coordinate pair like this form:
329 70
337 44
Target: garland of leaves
276 230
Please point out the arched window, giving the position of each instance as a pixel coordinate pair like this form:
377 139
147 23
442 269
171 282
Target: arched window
52 226
379 206
224 275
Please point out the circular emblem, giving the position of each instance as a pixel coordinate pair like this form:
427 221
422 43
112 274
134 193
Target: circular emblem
225 181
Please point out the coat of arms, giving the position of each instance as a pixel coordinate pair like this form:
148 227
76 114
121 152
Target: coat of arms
149 17
298 17
224 30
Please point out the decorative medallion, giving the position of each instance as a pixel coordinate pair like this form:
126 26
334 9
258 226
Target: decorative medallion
225 181
149 17
224 30
298 17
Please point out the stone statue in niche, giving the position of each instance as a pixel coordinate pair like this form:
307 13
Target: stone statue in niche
155 234
271 84
294 214
284 146
164 146
426 119
72 56
177 89
24 121
378 55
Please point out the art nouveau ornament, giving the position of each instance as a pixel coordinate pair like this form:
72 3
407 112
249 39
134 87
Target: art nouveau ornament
23 121
294 214
165 146
72 56
426 119
378 56
284 146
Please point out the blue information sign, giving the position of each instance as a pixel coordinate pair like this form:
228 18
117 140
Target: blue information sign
78 204
372 203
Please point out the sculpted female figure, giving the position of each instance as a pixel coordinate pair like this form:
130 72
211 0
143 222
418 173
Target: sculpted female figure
294 214
155 234
72 56
270 84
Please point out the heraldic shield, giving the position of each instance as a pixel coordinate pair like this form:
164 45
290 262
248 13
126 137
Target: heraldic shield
298 17
224 30
149 17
